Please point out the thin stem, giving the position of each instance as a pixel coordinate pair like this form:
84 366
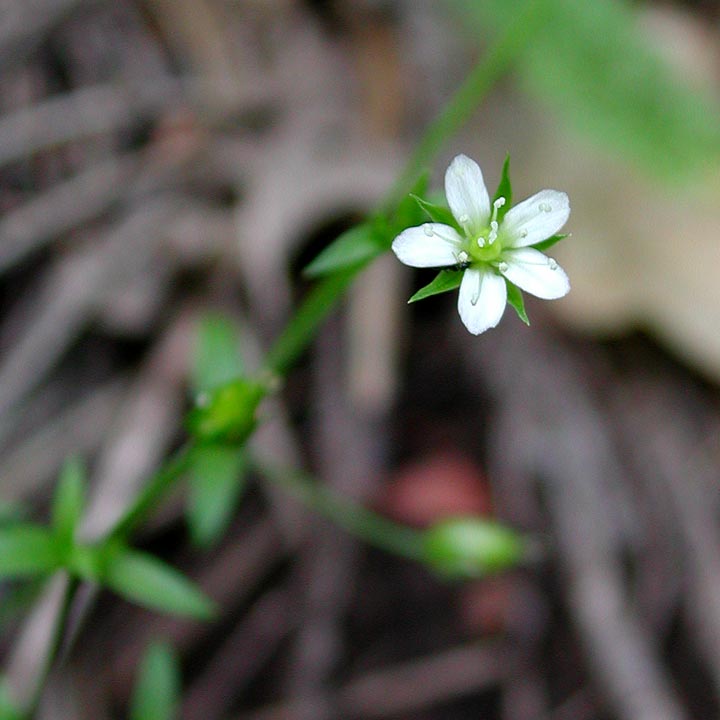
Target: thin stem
302 326
158 485
354 518
466 99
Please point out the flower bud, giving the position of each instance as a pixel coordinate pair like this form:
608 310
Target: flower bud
227 414
471 547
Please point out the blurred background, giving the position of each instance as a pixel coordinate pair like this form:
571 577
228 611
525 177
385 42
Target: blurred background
163 158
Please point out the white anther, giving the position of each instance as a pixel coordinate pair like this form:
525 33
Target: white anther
545 207
523 233
502 266
427 229
499 202
464 219
552 263
463 257
481 241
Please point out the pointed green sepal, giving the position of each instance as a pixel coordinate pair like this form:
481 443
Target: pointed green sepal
437 213
444 281
407 213
504 189
516 301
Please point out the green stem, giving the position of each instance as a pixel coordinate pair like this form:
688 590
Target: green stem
158 485
465 101
354 518
302 326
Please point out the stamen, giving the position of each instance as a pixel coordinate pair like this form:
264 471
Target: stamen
427 229
523 233
462 257
502 266
464 219
493 232
481 241
545 207
553 264
497 204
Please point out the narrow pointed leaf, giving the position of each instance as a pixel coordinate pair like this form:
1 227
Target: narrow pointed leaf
504 189
148 581
28 550
515 299
216 482
545 244
357 245
217 353
69 501
444 281
156 695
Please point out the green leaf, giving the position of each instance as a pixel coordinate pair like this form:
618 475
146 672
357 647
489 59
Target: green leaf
355 246
545 244
593 65
217 353
515 299
148 581
467 547
28 550
504 189
156 695
8 709
217 481
437 213
69 501
444 281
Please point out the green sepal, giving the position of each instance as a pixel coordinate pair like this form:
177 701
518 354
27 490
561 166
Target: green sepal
437 213
216 482
471 547
27 549
227 414
156 695
444 281
545 244
504 189
68 502
217 359
146 580
407 213
516 301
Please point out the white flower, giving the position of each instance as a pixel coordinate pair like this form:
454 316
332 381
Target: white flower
489 251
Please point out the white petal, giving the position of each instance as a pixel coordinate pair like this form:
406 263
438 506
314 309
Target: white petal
482 299
533 272
535 219
428 245
467 195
